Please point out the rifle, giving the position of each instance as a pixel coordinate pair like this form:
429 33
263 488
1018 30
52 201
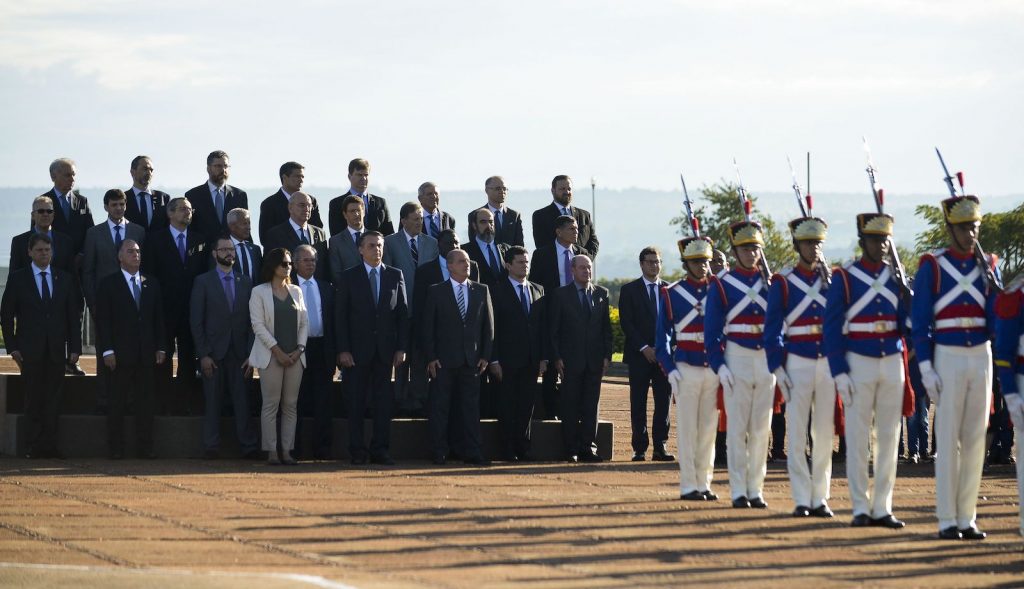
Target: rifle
823 268
747 205
694 223
979 255
898 271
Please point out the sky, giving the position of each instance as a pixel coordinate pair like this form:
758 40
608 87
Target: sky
631 93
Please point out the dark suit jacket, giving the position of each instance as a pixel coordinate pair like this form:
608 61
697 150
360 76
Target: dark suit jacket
544 228
215 325
282 235
637 317
204 213
579 341
511 231
447 222
544 266
35 330
160 260
255 257
364 327
157 204
274 211
428 275
487 274
375 218
518 338
78 224
63 251
446 337
328 318
135 334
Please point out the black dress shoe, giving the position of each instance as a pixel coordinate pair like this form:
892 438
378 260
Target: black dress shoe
693 496
213 454
950 533
661 455
915 458
440 460
383 459
802 511
590 457
822 511
710 496
638 457
359 459
525 457
972 533
477 461
887 521
740 503
73 368
572 459
861 520
758 503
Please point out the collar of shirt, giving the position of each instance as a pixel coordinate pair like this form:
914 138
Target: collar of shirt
647 282
235 241
58 193
560 250
362 195
871 266
224 274
456 283
36 270
587 288
213 188
296 228
484 247
287 195
352 232
111 224
137 191
303 281
128 277
408 237
494 211
560 206
368 267
516 284
49 232
175 233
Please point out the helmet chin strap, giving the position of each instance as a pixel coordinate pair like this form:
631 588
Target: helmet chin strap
956 242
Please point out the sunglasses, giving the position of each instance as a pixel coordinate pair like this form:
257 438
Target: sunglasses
285 264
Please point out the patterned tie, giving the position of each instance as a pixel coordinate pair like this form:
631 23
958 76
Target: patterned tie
525 300
144 208
415 252
117 238
136 292
460 298
229 290
654 298
374 289
568 268
46 289
585 301
312 308
219 203
181 247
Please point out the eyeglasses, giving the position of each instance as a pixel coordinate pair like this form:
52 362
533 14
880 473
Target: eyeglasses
45 211
285 264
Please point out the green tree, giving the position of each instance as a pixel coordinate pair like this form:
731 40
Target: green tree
1000 234
720 207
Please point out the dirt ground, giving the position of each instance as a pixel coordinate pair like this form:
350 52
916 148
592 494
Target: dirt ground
99 523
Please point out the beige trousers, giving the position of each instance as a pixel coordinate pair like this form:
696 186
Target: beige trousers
279 387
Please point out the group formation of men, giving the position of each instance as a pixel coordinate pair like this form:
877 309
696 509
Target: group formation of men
169 277
837 343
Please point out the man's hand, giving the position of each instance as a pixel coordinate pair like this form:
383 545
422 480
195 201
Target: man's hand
161 357
782 380
844 386
16 355
648 353
931 381
208 366
495 370
481 366
560 368
399 358
543 367
246 368
110 361
345 360
432 368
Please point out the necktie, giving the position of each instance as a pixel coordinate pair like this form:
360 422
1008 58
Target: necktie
136 292
460 298
654 298
568 268
497 220
181 247
355 237
492 260
524 300
374 289
65 205
229 290
415 252
144 208
46 289
312 308
243 256
219 202
302 236
585 301
117 238
432 226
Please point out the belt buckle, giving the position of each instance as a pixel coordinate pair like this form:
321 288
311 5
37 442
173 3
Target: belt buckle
815 329
966 322
881 326
755 329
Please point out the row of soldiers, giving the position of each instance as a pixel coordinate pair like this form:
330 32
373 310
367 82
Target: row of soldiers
811 332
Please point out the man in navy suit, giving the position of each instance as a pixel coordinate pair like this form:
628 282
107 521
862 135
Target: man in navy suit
213 199
375 209
373 335
434 219
508 223
248 255
274 208
321 353
297 230
145 207
42 222
544 218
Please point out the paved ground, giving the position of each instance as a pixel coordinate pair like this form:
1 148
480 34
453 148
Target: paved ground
97 523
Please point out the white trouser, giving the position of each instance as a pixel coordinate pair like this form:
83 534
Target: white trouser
1018 428
813 399
696 425
748 411
878 400
961 419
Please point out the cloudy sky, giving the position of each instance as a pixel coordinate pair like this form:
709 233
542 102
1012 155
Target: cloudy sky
454 91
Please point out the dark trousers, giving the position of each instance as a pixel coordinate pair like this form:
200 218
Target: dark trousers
137 378
417 394
516 393
581 395
918 427
369 383
464 382
550 393
178 396
778 449
315 398
644 375
229 379
43 383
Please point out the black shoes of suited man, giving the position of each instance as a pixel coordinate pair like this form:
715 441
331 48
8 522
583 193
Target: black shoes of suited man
742 502
954 533
588 457
863 520
660 454
820 511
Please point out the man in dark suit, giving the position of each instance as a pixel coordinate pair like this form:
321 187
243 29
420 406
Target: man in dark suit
484 250
434 219
321 353
508 223
551 267
274 208
297 230
458 337
39 318
130 339
519 352
375 209
581 350
63 250
213 199
248 255
544 218
373 335
175 255
73 216
342 251
146 208
219 319
639 301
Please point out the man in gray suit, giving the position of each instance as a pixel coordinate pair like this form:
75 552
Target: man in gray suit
219 318
342 250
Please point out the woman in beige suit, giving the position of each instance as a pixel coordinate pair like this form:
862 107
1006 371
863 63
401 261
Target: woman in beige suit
280 323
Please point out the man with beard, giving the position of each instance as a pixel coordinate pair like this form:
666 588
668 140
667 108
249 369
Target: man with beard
508 223
146 207
213 199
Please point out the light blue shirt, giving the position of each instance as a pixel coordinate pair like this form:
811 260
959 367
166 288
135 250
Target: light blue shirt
380 269
124 230
444 267
36 273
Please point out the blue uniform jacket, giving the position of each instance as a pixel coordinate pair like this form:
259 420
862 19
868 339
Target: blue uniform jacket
688 345
1008 351
789 310
723 297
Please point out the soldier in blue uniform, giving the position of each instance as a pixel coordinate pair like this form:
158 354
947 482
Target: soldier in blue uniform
864 317
680 350
1009 360
954 311
792 342
733 335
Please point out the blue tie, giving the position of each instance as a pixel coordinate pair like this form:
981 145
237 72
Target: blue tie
312 308
654 299
136 292
524 300
117 238
461 299
374 288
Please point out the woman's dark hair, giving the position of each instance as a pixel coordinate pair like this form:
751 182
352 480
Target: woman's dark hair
271 261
